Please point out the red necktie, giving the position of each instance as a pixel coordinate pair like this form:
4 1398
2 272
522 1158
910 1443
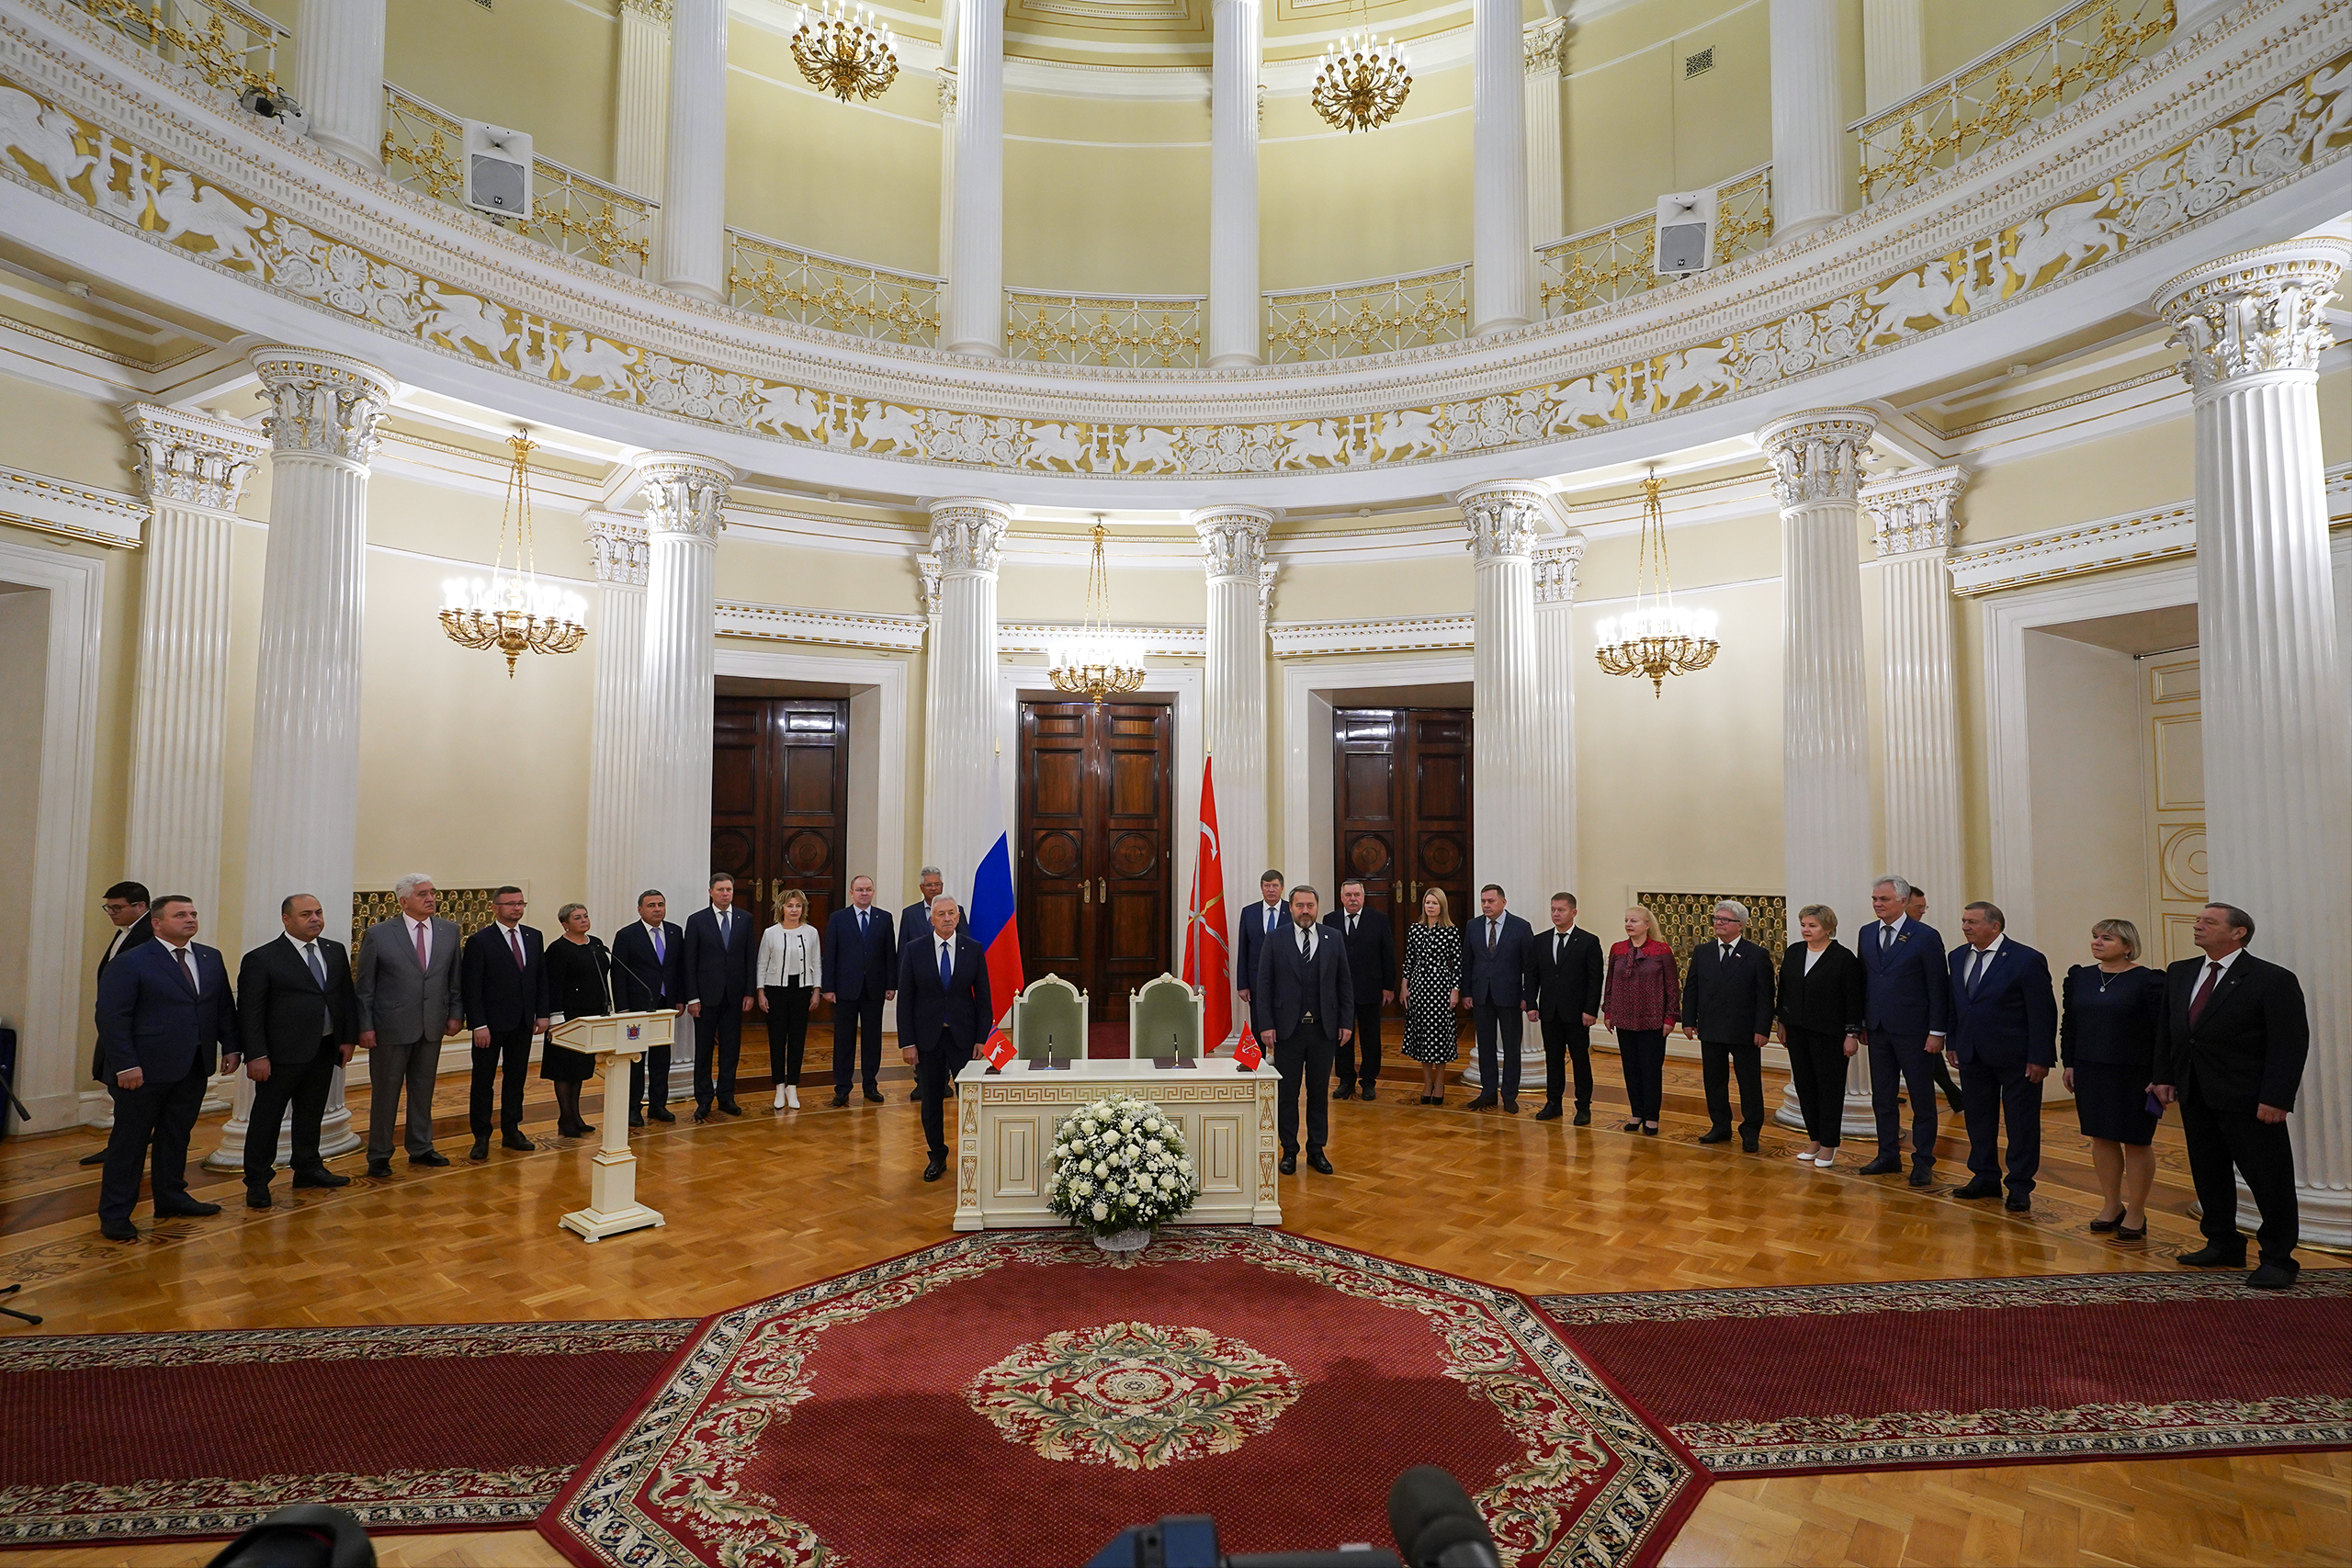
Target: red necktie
2204 992
187 971
423 962
514 941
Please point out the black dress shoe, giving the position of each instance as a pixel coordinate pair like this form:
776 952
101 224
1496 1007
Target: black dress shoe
1885 1165
430 1156
1549 1113
1428 1099
2213 1255
1290 1165
1715 1135
637 1117
1634 1126
729 1107
660 1113
1367 1094
1510 1105
1649 1129
912 1095
2272 1276
256 1197
2016 1205
702 1114
1982 1187
118 1230
875 1096
1482 1103
840 1101
935 1169
1748 1143
517 1142
382 1167
1583 1117
186 1209
480 1149
1316 1160
320 1175
1922 1175
1344 1091
97 1158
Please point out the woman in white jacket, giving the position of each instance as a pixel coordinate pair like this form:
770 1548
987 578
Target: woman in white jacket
789 971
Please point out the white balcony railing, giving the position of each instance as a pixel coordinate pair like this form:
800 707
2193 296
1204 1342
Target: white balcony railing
818 291
1620 258
2029 78
1374 317
230 45
576 213
1138 330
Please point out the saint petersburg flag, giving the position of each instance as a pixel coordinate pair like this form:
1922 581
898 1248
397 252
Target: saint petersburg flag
993 925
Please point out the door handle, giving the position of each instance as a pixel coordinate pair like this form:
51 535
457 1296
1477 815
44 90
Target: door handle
1086 891
1105 892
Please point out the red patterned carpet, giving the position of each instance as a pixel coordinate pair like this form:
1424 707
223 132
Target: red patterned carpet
1018 1399
1979 1372
144 1436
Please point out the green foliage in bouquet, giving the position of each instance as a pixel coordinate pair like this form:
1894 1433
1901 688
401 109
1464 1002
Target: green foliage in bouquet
1119 1165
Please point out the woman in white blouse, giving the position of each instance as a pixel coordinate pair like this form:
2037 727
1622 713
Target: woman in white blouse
788 976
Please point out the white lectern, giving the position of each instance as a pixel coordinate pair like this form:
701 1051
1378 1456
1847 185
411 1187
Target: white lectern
621 1038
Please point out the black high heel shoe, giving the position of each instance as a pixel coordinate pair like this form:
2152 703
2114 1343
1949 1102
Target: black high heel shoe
2126 1233
1649 1129
2109 1224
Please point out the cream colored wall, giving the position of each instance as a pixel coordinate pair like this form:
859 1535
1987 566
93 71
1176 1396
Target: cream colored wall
765 570
1030 590
2154 466
549 67
1957 31
24 653
1107 196
1334 209
1371 591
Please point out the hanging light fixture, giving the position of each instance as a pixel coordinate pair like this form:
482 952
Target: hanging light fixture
1656 637
845 51
1098 663
513 611
1362 81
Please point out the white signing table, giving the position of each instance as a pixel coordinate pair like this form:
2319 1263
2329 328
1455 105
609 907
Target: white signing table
621 1038
1005 1128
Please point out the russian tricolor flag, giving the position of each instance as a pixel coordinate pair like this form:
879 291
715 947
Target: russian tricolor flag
993 925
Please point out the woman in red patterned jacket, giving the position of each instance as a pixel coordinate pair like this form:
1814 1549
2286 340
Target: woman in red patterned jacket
1643 1001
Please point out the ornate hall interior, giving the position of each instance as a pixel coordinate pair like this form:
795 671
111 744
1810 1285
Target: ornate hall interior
1673 451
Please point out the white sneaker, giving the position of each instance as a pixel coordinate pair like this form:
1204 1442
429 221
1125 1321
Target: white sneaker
792 1096
780 1090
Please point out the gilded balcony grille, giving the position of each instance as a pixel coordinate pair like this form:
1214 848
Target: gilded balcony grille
2029 78
1382 315
576 213
1137 332
1620 259
818 291
231 46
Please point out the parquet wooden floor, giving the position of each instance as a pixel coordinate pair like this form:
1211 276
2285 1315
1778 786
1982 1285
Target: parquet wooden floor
778 1199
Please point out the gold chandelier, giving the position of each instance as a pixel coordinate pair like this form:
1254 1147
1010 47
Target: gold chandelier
1362 81
1656 637
1096 664
513 611
845 51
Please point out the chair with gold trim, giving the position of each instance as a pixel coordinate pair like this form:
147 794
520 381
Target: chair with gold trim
1165 1018
1049 1020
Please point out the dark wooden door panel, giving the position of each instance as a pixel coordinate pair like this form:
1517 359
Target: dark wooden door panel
779 804
1095 833
1401 807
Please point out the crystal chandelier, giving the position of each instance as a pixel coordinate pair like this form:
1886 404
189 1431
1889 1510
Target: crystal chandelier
513 611
1362 81
1656 637
1095 664
845 51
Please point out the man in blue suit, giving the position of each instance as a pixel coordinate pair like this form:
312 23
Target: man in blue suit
722 966
944 1013
861 974
2005 1040
1251 926
1495 953
1906 998
165 1015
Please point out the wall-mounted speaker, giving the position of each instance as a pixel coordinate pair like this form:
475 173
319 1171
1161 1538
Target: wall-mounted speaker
1686 232
498 170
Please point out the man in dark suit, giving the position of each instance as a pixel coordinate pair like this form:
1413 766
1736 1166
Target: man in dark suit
1251 926
1372 961
1916 905
649 975
1564 972
163 1012
504 984
1906 997
861 974
1495 950
2005 1040
299 1020
2229 1053
1305 998
1727 1006
945 1010
722 967
126 905
913 921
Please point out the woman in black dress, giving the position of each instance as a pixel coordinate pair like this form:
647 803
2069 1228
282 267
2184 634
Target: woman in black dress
579 976
2107 1042
1820 1011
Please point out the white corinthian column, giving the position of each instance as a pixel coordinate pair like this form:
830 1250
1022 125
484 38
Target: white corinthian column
339 77
1551 837
1911 520
1502 265
968 543
2278 732
1546 47
1235 309
617 541
683 495
974 322
694 185
641 102
302 819
1825 784
1234 706
1809 169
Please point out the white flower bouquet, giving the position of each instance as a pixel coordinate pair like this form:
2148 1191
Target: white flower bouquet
1120 1165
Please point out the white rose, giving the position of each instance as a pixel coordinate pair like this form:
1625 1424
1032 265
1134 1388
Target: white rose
1101 1212
1168 1184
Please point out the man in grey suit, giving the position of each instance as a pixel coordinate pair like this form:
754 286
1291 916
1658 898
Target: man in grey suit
408 1001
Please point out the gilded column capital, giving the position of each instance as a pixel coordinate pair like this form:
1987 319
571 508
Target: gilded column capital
1267 572
684 495
321 404
927 580
620 547
2253 312
1914 513
1547 45
191 459
1503 519
967 535
1557 562
1234 540
1817 456
653 10
946 92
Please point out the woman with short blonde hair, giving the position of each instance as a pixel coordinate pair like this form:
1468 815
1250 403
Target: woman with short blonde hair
789 955
1642 1001
2107 1038
1432 973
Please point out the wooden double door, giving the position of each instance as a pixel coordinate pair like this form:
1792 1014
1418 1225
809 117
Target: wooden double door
1096 867
779 803
1400 795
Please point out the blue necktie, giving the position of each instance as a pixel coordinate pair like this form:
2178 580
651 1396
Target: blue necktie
1272 912
660 953
726 930
946 964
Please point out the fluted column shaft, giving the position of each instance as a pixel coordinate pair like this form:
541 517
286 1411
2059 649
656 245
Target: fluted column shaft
1235 307
683 495
1825 770
339 76
641 104
1503 275
694 185
1545 41
976 275
946 171
1809 166
1912 521
1893 51
2277 730
1503 520
615 752
968 543
1552 796
192 468
1234 700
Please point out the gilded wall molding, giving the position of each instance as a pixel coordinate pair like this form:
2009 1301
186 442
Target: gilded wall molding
837 628
1309 639
70 510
